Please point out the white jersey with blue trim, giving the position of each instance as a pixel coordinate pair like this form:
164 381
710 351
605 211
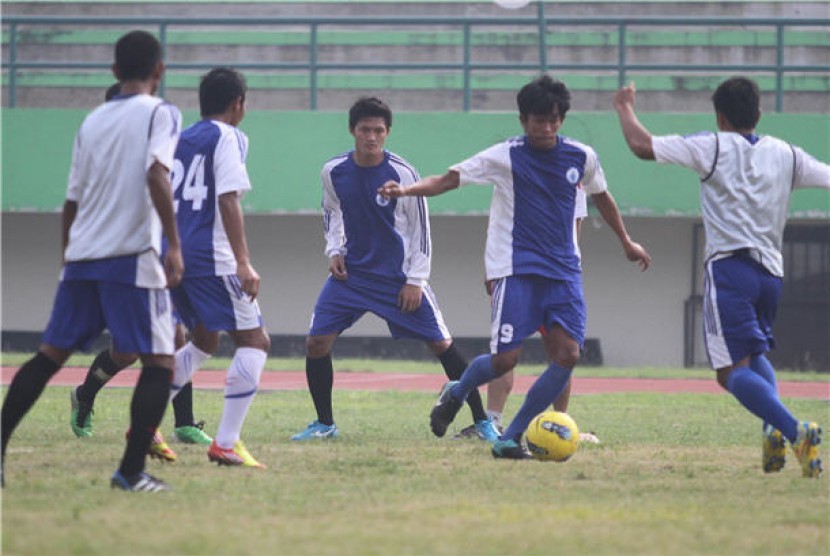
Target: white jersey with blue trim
210 161
379 238
531 229
116 221
744 189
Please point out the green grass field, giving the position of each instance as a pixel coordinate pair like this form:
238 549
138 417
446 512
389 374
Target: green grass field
675 474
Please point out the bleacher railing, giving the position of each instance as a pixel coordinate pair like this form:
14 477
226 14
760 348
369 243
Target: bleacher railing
537 26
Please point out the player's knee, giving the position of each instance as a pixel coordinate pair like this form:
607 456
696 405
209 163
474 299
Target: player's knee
503 363
317 346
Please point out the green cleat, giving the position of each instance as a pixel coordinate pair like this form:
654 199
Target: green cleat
81 416
773 450
192 434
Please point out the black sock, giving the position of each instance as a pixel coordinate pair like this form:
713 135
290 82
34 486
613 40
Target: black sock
183 406
99 373
24 390
454 365
146 412
320 376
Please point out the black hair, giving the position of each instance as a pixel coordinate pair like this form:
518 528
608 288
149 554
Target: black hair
739 100
543 96
136 56
219 88
369 107
112 91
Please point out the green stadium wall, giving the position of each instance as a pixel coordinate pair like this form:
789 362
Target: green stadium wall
288 149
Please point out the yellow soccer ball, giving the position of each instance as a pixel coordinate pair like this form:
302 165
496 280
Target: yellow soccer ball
552 436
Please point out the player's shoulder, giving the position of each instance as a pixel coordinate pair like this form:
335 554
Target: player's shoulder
400 163
569 144
336 161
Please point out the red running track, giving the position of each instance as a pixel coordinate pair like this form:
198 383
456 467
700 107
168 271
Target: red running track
345 380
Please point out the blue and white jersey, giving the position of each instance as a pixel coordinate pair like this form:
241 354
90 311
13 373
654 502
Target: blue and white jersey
745 186
210 161
116 234
531 228
380 239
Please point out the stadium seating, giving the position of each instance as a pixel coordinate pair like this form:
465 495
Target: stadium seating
380 51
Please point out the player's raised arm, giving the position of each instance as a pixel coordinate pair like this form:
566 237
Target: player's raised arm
636 135
429 186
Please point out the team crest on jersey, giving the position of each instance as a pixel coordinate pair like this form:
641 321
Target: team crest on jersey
572 175
381 200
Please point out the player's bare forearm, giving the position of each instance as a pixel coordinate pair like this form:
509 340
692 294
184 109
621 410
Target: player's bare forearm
158 181
70 210
607 207
636 135
429 186
234 223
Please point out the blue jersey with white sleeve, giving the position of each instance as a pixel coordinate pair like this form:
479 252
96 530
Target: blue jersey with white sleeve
382 240
531 225
210 162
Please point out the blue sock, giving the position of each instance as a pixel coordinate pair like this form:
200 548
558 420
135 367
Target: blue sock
761 365
544 390
761 399
479 372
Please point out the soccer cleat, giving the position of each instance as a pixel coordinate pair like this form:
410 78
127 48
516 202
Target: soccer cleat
160 450
509 449
317 430
236 456
806 449
483 430
487 431
192 434
81 415
140 482
773 450
444 411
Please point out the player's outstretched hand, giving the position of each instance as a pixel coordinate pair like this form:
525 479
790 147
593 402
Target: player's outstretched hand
637 253
248 279
173 266
391 190
625 96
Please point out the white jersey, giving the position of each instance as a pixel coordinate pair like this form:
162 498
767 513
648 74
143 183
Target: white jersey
115 147
745 185
536 195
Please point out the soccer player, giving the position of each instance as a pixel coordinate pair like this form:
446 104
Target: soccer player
498 390
379 258
118 203
745 185
531 251
108 363
220 286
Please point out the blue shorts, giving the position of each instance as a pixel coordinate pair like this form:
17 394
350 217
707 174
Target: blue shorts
216 302
521 304
739 306
342 302
139 319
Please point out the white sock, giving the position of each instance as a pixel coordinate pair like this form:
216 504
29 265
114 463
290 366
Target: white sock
189 359
240 388
494 416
